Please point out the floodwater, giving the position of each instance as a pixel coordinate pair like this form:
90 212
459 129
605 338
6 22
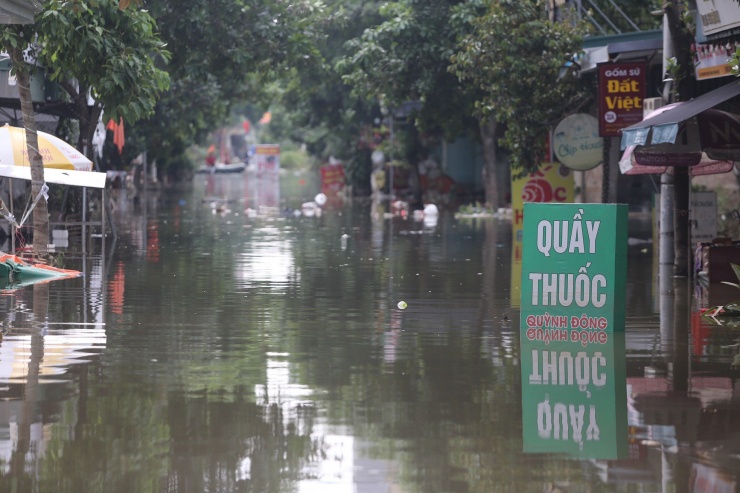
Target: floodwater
223 344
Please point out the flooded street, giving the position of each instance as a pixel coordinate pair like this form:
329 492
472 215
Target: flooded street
224 344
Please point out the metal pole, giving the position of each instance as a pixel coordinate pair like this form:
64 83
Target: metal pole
12 228
103 213
146 175
84 210
667 232
666 218
390 160
84 220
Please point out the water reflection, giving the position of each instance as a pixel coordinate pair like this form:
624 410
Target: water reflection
268 258
261 352
574 397
39 353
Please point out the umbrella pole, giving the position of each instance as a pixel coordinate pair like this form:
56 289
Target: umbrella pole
84 220
12 227
107 217
63 208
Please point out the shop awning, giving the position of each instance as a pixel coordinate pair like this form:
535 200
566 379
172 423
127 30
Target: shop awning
664 127
91 179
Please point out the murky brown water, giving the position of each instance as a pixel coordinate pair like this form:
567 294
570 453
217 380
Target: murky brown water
225 345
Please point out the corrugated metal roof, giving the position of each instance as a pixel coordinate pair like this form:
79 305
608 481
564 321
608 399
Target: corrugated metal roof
18 11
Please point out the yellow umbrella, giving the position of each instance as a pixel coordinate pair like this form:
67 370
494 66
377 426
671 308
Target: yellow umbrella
56 153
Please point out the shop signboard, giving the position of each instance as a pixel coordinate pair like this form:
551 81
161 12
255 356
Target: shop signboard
572 330
267 158
622 88
713 60
332 177
717 16
577 143
552 182
703 216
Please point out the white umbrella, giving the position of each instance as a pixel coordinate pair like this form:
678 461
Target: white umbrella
55 153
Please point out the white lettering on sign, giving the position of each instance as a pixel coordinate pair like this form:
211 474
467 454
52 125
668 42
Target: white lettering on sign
564 289
616 72
553 422
562 369
553 236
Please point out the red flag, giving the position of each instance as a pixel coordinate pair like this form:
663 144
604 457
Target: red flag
118 137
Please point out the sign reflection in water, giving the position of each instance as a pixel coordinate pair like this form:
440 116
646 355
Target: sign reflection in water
574 398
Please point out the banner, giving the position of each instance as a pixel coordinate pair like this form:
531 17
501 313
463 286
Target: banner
332 178
552 182
622 87
267 158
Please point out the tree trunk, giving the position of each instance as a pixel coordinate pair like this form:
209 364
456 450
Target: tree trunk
40 212
87 116
88 123
26 416
489 138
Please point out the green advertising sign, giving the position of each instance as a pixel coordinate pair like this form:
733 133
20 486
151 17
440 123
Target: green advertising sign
572 329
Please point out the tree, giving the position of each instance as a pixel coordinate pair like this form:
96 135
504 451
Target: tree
406 58
90 48
498 62
14 39
114 54
223 52
322 112
517 57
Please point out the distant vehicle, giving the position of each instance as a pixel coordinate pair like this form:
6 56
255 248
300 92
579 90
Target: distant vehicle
223 168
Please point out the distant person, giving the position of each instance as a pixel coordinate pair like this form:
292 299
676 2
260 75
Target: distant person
211 159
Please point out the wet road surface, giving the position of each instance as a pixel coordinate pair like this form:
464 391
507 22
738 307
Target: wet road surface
225 343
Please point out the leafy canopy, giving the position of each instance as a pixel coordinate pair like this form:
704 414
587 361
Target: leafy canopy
115 52
517 59
406 58
224 52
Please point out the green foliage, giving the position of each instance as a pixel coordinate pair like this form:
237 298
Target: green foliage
294 159
406 58
729 313
16 36
312 106
114 52
231 58
517 58
736 270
